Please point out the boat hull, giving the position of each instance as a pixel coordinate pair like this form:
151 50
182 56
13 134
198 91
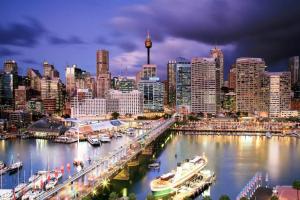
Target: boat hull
163 192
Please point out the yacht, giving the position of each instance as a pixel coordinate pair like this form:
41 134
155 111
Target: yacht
94 141
20 187
51 184
15 166
33 178
167 183
105 138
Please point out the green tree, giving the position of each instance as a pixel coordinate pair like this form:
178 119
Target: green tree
131 196
224 197
187 198
150 197
113 196
296 185
115 115
274 198
207 198
244 198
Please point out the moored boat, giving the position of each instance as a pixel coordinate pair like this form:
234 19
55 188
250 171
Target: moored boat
105 138
167 183
20 187
65 140
51 184
15 166
94 141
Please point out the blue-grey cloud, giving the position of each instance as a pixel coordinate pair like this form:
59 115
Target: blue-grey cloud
26 34
8 52
30 61
71 40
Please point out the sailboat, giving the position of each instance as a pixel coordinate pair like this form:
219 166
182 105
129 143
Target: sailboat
15 166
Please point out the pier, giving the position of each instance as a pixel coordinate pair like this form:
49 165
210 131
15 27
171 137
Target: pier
104 168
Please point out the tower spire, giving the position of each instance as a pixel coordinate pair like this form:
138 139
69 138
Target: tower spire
148 45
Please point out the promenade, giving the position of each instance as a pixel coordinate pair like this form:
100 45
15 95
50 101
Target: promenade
101 170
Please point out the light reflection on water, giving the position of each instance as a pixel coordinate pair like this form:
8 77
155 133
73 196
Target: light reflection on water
234 159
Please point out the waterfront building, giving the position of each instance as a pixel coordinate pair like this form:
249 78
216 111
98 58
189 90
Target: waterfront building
294 69
171 76
289 113
217 54
83 104
19 118
47 128
11 66
203 85
103 74
278 93
50 71
128 103
21 98
183 84
35 78
52 94
232 77
153 92
249 73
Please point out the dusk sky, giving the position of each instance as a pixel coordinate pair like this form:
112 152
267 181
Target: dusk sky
70 31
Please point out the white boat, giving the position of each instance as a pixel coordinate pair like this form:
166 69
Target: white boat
33 178
30 195
105 138
2 165
154 165
94 141
167 183
15 166
51 184
65 140
268 134
118 134
6 194
20 187
4 170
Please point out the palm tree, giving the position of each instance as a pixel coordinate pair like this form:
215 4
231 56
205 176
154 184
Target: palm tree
224 197
150 197
207 198
296 186
274 198
131 196
113 196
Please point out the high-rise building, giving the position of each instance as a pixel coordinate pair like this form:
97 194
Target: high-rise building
52 94
249 73
278 92
217 54
10 66
149 70
103 75
50 71
20 98
126 85
148 45
166 89
102 62
171 76
232 77
76 78
294 69
203 85
183 85
153 92
34 79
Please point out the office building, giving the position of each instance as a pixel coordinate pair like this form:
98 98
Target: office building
203 85
232 77
294 69
171 77
103 75
10 66
183 85
35 78
50 71
149 70
153 92
126 85
249 73
21 98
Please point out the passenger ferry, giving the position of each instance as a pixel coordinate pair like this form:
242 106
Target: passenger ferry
94 141
166 183
105 138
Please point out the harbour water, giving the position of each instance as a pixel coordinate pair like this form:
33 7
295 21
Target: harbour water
234 159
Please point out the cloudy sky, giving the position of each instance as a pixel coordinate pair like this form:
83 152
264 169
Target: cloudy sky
70 31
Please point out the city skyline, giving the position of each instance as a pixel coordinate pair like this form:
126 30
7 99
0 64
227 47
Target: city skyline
31 33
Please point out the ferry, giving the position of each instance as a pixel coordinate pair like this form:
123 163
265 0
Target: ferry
167 183
94 141
65 140
105 138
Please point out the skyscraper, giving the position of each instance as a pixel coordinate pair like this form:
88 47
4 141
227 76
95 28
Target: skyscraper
203 85
103 75
10 66
34 79
148 45
249 73
171 76
294 69
217 54
183 85
232 77
50 71
102 62
149 70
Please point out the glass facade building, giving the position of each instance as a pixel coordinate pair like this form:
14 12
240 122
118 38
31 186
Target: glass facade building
183 84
